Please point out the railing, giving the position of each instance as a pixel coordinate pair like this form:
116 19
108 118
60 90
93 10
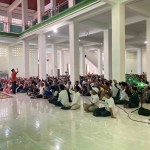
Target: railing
50 13
1 26
16 28
10 27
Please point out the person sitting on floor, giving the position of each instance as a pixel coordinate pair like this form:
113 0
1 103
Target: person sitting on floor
103 89
94 100
41 91
146 94
123 94
77 84
134 99
63 99
109 109
85 91
1 85
55 94
25 88
76 99
48 92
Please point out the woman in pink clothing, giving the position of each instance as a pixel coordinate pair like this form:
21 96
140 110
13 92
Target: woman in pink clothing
7 88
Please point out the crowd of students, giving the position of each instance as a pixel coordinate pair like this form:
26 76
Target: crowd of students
60 92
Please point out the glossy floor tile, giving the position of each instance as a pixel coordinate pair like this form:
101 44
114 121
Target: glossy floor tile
34 124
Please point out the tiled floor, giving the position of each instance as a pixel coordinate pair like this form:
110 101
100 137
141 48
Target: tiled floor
30 124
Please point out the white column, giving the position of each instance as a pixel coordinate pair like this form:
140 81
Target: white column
99 61
108 54
74 51
42 56
25 46
82 61
139 61
148 48
9 60
54 59
24 13
71 3
62 72
118 42
8 21
40 9
53 3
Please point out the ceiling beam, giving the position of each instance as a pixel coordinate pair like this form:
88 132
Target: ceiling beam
90 39
14 5
135 40
61 41
141 10
128 1
134 19
90 44
110 1
131 33
16 43
95 24
101 9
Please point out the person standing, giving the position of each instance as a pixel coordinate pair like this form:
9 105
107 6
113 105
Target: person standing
13 80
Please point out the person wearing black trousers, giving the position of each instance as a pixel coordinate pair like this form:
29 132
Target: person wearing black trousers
13 80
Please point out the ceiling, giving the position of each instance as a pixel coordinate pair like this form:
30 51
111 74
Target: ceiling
135 30
137 27
142 3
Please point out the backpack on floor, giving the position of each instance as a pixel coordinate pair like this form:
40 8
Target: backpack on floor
144 112
97 112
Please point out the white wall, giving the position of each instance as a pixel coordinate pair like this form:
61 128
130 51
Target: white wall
10 61
131 61
17 62
3 64
92 68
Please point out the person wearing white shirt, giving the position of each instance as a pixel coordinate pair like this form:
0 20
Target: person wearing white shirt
63 99
77 84
41 91
76 99
123 96
109 109
94 100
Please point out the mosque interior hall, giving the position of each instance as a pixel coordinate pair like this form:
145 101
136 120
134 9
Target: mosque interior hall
74 74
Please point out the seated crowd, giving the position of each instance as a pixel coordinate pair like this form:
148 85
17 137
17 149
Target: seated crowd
58 91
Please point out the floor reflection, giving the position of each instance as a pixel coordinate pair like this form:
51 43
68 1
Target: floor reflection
34 124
